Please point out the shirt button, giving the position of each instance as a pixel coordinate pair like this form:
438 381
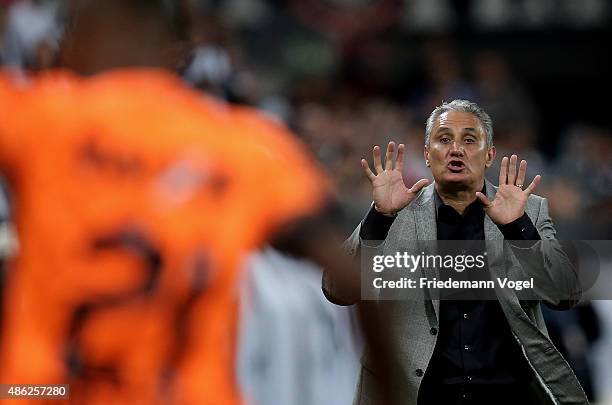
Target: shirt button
433 331
419 372
469 378
465 316
466 347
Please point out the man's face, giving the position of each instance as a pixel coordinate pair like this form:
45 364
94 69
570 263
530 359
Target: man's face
457 150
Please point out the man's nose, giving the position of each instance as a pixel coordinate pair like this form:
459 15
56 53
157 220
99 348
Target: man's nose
456 149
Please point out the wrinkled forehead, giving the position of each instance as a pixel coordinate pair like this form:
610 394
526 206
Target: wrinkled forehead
457 121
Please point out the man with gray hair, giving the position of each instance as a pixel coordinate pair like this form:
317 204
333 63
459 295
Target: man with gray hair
468 351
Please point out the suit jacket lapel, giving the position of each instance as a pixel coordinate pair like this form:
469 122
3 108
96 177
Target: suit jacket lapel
425 215
427 230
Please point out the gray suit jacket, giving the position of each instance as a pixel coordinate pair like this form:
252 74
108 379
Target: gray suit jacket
409 322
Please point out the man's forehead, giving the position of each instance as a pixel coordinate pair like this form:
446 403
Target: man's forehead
458 120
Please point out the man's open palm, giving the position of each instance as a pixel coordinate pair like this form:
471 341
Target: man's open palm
389 192
510 199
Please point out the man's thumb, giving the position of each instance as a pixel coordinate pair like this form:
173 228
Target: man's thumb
483 198
419 185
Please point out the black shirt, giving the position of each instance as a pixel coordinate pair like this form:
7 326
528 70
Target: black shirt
475 353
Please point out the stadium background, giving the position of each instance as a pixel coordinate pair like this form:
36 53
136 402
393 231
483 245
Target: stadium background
348 74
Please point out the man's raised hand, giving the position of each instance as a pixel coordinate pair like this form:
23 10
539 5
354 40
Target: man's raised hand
510 199
389 192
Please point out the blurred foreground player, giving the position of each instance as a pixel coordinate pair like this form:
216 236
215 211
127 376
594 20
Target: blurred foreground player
135 201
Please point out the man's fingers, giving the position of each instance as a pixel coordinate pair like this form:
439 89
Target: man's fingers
419 185
503 171
399 163
377 162
368 171
389 156
520 179
512 170
533 185
483 198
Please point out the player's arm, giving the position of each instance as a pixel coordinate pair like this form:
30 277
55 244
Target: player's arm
319 237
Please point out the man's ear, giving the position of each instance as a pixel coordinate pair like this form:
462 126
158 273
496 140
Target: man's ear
490 156
426 154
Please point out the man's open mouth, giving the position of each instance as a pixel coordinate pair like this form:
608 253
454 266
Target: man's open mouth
456 166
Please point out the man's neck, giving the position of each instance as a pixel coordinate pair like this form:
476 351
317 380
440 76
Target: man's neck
459 197
131 41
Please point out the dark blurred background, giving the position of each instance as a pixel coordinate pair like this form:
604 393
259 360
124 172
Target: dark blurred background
348 74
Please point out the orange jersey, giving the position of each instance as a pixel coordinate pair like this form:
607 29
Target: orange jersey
135 200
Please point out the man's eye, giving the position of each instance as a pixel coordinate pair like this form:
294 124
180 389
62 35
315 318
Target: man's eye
444 140
470 140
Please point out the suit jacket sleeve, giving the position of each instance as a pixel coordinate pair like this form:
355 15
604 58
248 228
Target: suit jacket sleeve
555 277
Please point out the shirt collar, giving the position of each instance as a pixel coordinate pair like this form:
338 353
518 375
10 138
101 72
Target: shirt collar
475 205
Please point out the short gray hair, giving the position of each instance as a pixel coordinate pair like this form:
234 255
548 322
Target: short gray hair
461 106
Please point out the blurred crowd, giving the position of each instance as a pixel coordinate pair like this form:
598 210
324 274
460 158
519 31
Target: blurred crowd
348 75
344 85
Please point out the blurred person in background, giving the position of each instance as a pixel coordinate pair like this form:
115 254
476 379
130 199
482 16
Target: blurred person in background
211 66
135 203
32 34
295 348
